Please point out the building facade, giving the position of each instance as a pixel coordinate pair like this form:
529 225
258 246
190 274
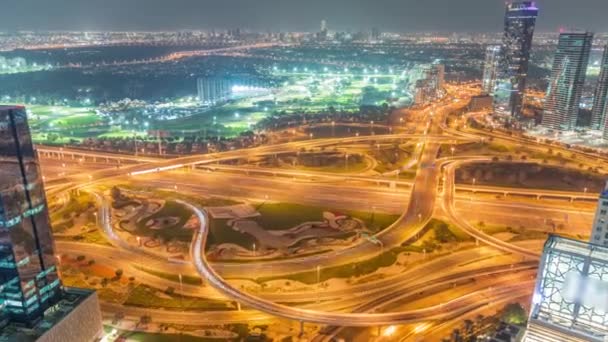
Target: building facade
567 80
490 69
429 83
213 90
570 301
600 101
520 22
28 270
32 299
599 234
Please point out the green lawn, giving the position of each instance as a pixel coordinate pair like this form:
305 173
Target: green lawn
445 232
186 279
94 237
159 337
357 269
337 168
220 232
75 205
172 232
282 216
144 296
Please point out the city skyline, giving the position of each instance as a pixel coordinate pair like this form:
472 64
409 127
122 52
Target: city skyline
341 15
363 186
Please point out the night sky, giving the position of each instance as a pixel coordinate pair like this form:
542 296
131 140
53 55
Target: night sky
291 15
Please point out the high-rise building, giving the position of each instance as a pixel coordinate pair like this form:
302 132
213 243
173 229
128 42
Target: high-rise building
490 69
28 271
322 35
570 301
599 234
520 21
567 79
439 70
29 282
429 83
375 34
600 100
213 90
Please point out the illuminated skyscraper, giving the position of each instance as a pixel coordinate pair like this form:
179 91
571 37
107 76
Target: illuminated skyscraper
490 69
28 274
322 35
567 80
600 100
29 283
520 21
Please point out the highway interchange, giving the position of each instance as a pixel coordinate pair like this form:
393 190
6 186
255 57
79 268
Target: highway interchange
503 271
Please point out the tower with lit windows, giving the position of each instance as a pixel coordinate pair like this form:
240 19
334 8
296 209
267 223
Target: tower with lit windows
28 271
567 80
599 113
520 22
31 294
490 69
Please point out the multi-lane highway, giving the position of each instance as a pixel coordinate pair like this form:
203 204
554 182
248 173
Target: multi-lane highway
417 200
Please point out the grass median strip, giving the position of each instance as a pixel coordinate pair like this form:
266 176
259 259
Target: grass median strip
145 296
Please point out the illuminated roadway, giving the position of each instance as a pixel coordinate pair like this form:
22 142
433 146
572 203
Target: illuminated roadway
420 209
445 310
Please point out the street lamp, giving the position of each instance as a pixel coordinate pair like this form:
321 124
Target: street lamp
318 281
181 290
389 331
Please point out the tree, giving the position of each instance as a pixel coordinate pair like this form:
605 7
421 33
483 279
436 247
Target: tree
514 313
118 273
116 193
80 258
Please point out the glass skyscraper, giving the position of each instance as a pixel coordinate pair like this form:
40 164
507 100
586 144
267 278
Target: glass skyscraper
28 273
567 80
490 69
600 100
520 21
